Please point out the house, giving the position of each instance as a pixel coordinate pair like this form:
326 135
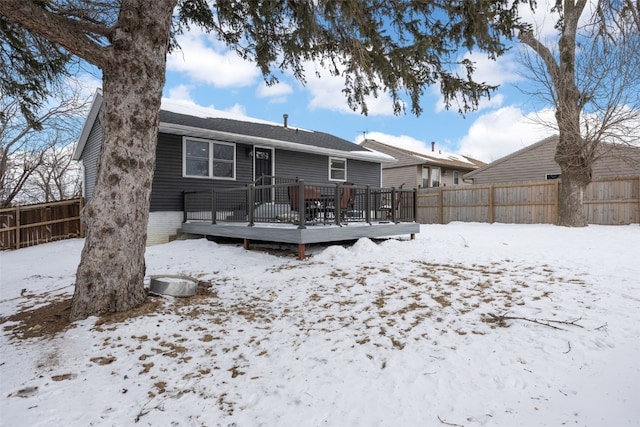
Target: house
422 169
536 163
201 149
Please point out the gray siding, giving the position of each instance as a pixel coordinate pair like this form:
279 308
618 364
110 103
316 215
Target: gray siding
531 164
90 157
618 161
169 185
395 177
314 167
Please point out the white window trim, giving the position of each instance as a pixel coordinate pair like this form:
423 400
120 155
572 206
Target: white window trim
211 143
345 169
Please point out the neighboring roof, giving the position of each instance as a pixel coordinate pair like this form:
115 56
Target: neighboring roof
193 120
611 159
438 158
551 139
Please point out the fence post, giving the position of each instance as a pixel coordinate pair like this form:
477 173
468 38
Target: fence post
440 205
638 207
17 227
337 213
557 201
415 205
492 214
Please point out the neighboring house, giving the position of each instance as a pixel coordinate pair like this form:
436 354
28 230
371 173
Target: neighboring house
422 169
536 163
203 149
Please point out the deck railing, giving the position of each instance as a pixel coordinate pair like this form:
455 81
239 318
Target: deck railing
282 200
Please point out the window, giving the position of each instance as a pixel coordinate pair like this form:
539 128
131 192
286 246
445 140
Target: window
430 177
550 176
435 177
456 179
209 159
337 169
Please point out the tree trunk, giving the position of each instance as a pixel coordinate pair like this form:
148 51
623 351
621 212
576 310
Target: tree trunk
572 157
110 277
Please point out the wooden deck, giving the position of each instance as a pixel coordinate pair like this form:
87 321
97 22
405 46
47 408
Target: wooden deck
291 233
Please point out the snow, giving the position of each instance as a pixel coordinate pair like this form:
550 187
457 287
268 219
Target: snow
191 109
393 333
443 155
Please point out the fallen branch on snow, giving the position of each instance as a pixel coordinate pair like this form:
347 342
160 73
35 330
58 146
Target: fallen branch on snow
449 424
500 320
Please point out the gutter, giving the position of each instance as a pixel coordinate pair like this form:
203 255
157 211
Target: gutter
368 156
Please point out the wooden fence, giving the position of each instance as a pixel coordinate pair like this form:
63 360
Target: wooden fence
30 225
610 201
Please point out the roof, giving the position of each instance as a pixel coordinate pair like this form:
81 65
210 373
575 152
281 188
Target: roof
436 158
548 140
193 120
611 159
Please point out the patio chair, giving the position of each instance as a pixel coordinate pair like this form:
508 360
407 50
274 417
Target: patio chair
312 198
347 199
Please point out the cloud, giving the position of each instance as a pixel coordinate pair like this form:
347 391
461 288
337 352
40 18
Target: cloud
501 132
409 143
206 60
541 18
181 93
87 83
498 72
276 93
277 90
237 109
326 93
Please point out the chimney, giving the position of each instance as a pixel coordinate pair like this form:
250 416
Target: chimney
433 146
285 117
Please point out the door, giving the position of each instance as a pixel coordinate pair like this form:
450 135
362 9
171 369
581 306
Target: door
263 166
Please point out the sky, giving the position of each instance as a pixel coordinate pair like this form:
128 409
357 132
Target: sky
394 333
205 73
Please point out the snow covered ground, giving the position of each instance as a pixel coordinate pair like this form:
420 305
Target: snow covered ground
438 331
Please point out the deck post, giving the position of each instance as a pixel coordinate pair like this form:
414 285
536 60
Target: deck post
393 204
337 214
301 251
184 206
367 205
251 192
415 208
302 207
246 244
213 206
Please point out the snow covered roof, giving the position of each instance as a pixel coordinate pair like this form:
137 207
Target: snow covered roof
424 155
